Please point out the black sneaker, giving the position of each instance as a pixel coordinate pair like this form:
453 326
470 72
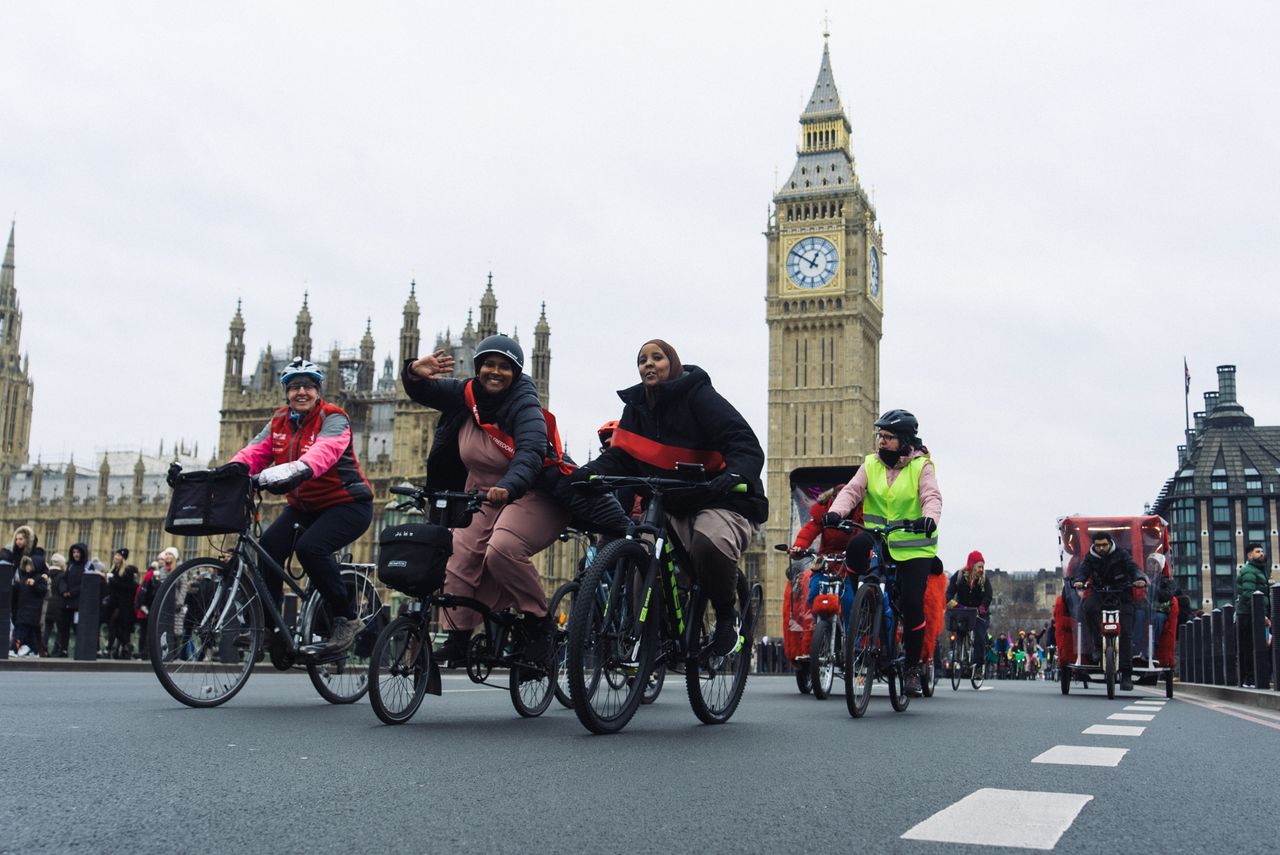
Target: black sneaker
725 638
1126 683
454 648
539 640
911 682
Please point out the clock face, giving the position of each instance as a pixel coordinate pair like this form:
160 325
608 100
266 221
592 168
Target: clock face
813 262
873 272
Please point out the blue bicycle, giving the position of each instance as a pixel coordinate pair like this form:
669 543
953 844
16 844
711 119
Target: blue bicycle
872 649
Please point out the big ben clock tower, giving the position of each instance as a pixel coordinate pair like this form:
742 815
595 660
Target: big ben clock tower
824 307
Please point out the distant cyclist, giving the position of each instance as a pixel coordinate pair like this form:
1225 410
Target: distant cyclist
1108 566
895 485
305 452
969 587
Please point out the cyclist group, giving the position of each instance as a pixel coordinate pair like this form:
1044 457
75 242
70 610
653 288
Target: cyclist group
493 436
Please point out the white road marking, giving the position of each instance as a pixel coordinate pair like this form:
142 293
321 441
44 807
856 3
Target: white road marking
983 818
1081 755
1112 730
1151 703
985 688
1138 708
1126 716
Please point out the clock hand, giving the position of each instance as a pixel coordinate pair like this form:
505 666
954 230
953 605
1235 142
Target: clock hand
813 262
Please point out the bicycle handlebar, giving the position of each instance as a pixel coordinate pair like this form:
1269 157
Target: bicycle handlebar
653 482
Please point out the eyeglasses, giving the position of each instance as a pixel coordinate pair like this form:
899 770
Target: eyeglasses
301 384
886 437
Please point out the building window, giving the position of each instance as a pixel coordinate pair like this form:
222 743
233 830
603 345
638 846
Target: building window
51 538
153 540
1218 480
1254 510
1252 479
86 534
190 546
117 536
1221 512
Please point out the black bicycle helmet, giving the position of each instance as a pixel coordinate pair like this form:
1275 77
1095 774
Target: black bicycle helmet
899 422
503 346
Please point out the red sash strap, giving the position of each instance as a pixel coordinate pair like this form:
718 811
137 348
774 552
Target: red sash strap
664 456
507 445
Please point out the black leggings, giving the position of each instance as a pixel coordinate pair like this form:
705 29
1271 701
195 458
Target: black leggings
913 576
327 532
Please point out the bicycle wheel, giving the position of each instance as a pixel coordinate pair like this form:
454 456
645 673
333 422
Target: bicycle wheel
205 632
822 665
559 608
1109 663
532 688
861 649
608 644
953 667
343 679
716 683
978 672
804 680
653 687
398 670
898 697
928 677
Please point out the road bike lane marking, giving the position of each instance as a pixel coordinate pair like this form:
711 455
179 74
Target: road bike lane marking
983 818
1113 730
1081 755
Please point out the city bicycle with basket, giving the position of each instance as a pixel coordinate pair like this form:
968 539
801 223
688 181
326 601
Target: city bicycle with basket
412 559
212 620
643 616
872 646
962 622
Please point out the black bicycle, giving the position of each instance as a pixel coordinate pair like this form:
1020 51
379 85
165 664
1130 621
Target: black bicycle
872 650
210 621
643 616
962 621
403 669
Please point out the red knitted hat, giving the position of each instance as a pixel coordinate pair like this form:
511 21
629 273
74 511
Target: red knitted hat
974 558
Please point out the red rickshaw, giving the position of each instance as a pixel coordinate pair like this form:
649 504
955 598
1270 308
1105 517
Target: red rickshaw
1146 538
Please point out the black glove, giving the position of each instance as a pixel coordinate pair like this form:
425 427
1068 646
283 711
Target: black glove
172 478
724 482
925 525
831 519
579 477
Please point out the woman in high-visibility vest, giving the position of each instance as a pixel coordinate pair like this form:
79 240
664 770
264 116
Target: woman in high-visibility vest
897 483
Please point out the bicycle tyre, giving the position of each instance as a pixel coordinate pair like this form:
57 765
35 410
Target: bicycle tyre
343 680
804 680
560 608
531 697
1109 664
822 668
211 664
653 687
398 670
1064 678
861 649
928 677
977 672
897 679
953 667
607 643
715 684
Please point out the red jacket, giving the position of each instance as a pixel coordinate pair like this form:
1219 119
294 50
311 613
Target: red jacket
833 539
322 440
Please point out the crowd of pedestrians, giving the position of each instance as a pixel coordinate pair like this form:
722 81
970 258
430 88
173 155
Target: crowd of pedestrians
47 594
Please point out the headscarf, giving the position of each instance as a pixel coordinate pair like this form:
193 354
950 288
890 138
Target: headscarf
677 367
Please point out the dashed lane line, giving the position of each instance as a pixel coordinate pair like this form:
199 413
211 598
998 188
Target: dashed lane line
1113 730
1137 708
983 818
1126 716
1081 755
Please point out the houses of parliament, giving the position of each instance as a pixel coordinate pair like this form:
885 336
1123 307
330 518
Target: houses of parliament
824 294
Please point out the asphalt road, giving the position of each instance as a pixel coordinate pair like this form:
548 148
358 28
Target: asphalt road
109 762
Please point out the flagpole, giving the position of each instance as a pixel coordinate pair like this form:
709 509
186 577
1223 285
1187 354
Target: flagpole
1186 399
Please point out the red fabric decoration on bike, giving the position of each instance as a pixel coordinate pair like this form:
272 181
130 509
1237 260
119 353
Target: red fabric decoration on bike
664 456
826 604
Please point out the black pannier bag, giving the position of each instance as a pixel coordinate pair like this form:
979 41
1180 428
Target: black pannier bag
412 557
961 619
210 501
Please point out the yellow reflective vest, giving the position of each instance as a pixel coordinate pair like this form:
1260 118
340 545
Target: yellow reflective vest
885 504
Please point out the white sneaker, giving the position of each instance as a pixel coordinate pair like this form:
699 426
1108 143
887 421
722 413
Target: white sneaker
24 650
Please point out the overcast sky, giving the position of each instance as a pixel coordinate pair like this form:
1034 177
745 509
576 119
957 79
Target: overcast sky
1073 196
